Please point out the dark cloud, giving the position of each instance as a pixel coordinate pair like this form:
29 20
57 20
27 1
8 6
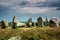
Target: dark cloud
24 3
48 4
58 8
54 5
27 6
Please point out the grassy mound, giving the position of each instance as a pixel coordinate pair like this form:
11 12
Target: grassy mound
42 33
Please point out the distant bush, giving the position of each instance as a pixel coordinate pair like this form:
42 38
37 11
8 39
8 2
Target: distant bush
10 23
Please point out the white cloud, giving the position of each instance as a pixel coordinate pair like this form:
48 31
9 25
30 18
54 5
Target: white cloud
33 10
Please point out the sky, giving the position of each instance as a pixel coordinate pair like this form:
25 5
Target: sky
24 9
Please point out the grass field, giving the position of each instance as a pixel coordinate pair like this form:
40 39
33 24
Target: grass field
40 33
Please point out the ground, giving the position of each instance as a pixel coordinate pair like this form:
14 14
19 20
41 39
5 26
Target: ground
35 33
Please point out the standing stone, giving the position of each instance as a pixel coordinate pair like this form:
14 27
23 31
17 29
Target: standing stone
4 23
46 22
0 24
14 22
39 21
29 22
53 22
59 23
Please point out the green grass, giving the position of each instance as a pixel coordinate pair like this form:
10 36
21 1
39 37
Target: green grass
33 33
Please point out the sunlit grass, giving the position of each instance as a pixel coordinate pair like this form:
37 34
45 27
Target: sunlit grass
37 33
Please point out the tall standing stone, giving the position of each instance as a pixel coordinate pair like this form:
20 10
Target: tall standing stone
0 24
29 22
46 22
14 22
59 23
39 21
53 22
17 23
4 23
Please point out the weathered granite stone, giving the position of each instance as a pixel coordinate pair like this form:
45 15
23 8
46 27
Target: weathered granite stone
39 21
53 22
0 24
17 23
14 22
14 19
15 38
4 23
29 22
46 22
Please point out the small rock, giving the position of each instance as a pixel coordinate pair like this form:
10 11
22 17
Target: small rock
15 38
